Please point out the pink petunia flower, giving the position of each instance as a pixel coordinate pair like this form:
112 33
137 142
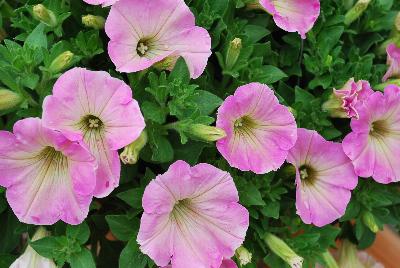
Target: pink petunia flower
145 32
324 178
192 217
48 177
393 60
99 109
373 145
104 3
259 130
352 95
293 15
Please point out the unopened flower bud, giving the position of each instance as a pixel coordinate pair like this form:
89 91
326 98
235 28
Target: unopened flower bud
329 260
95 22
61 62
232 55
369 221
9 99
397 23
243 255
206 133
281 249
356 11
334 107
130 155
41 13
348 256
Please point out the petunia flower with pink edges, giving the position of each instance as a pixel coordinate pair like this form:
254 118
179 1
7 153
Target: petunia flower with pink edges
293 15
259 130
98 109
352 95
48 177
192 217
104 3
373 145
324 178
393 60
145 32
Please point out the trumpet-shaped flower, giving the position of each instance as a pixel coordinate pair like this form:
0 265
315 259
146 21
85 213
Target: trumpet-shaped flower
48 177
393 60
293 15
228 263
30 258
104 3
192 217
259 130
98 109
144 32
373 145
324 178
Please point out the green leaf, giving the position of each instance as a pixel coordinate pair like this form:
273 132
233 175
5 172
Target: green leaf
82 259
205 101
131 257
271 210
6 260
37 38
123 227
270 74
180 72
132 197
50 247
251 196
79 232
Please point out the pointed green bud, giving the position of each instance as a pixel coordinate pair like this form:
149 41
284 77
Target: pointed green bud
356 11
9 99
281 249
334 107
369 221
232 55
95 22
329 260
41 13
348 256
130 155
61 62
206 133
243 255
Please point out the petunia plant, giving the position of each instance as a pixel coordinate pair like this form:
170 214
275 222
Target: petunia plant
198 134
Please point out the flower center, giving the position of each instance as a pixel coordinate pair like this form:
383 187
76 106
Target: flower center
379 128
307 174
181 209
244 123
91 122
143 47
52 159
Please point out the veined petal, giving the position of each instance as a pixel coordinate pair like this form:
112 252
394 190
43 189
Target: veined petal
191 217
259 131
50 184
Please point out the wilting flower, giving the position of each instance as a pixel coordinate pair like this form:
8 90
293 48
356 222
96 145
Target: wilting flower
350 257
243 255
145 32
343 102
324 178
259 130
30 258
48 178
104 3
373 145
393 60
293 15
192 217
99 109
